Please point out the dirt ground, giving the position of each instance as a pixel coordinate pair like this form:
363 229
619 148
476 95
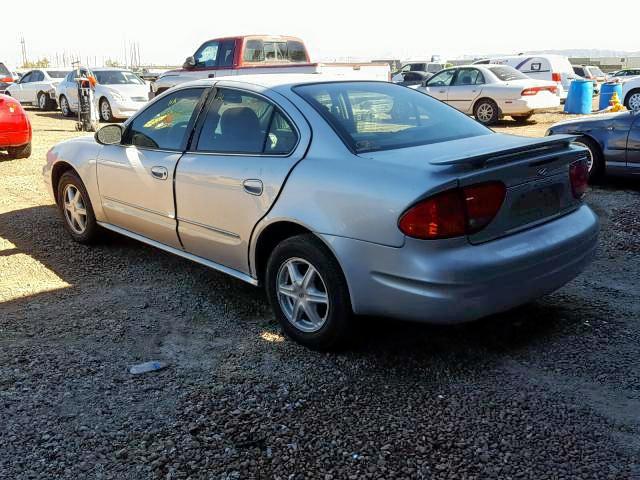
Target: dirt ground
549 391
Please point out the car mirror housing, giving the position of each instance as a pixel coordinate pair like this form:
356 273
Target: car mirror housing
109 135
190 62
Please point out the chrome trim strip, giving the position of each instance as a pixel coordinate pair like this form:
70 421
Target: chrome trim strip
189 256
209 227
164 215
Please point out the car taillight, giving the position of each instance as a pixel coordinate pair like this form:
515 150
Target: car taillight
556 77
579 176
454 212
6 79
535 90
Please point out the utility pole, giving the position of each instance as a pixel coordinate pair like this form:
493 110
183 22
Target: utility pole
24 50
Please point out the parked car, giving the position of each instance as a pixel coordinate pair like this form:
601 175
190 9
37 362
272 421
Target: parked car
260 54
613 142
15 128
489 92
554 68
410 79
592 73
420 67
38 87
432 217
6 77
631 93
119 93
623 74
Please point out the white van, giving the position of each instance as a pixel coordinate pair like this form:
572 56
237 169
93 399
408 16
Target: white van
555 68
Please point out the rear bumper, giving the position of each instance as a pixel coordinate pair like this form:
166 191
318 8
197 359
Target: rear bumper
532 105
14 139
453 281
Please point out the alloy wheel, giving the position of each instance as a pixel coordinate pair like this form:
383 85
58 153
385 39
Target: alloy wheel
634 102
42 101
105 111
64 106
485 112
302 295
75 210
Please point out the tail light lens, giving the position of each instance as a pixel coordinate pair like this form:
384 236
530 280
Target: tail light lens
6 79
453 213
536 90
556 77
579 175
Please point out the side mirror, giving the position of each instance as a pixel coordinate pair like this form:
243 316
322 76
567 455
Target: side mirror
109 135
190 62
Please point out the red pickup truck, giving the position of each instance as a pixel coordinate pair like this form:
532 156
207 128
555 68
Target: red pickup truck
251 54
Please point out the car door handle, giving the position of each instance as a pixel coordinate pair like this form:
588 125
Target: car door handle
443 91
211 75
252 186
160 173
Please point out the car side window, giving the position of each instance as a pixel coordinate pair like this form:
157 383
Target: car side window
38 76
442 79
469 76
241 122
207 55
27 77
165 123
418 67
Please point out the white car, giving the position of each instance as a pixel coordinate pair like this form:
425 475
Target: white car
631 93
118 94
38 87
489 92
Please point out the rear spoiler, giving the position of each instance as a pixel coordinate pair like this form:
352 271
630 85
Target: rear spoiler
533 145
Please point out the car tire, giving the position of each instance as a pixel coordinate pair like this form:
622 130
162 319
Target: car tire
44 102
106 114
308 292
632 100
597 164
521 118
81 226
64 107
23 151
486 111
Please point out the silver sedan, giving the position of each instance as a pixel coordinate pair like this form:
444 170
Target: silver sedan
339 197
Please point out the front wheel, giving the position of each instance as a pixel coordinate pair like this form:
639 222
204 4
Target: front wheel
486 112
106 115
76 209
64 107
309 293
595 159
632 102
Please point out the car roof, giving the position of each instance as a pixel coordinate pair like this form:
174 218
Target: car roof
276 80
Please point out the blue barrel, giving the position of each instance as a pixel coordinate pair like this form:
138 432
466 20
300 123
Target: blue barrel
606 92
580 97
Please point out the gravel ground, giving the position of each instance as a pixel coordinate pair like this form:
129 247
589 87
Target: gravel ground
549 391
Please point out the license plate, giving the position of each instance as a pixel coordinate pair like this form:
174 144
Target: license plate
537 203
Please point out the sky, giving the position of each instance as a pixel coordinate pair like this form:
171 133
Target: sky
333 30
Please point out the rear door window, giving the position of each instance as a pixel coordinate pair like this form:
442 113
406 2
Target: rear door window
243 123
37 76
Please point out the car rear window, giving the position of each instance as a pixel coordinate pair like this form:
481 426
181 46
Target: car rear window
507 73
371 116
4 71
258 50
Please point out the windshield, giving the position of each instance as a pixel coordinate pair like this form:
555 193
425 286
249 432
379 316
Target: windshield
372 116
57 73
118 77
507 73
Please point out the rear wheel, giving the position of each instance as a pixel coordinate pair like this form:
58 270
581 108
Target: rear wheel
75 208
595 158
486 111
20 152
309 293
64 106
44 102
632 101
521 118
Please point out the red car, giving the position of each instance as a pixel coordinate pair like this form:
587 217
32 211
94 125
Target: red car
15 128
